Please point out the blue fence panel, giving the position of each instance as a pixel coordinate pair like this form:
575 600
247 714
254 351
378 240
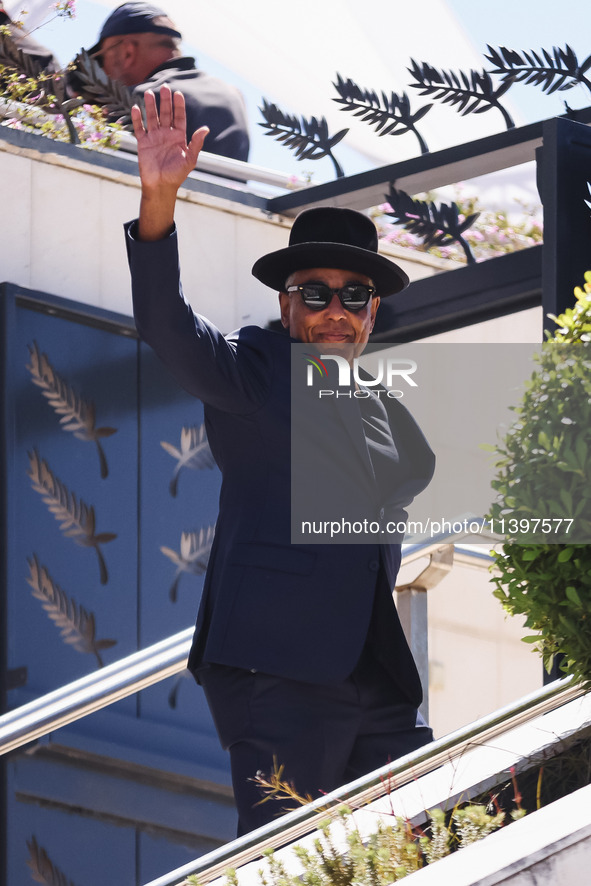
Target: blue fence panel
109 502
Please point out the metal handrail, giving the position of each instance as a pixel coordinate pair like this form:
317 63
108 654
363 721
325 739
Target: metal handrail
126 677
161 660
240 170
306 819
213 164
468 555
95 691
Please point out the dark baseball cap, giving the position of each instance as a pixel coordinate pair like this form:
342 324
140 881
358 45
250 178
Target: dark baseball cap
136 18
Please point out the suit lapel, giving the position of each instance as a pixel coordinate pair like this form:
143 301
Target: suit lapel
348 411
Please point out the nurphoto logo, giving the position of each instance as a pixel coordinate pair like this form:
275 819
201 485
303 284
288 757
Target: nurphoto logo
353 379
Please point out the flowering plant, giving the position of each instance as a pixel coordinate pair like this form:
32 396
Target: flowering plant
495 233
65 8
37 97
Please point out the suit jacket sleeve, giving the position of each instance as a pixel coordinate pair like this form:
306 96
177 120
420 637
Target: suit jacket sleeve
232 372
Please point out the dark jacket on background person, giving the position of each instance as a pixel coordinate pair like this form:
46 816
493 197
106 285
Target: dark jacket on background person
209 102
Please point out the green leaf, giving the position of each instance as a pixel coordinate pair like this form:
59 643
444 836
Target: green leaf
571 593
568 624
565 555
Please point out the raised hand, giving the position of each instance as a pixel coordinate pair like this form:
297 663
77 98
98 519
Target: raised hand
164 157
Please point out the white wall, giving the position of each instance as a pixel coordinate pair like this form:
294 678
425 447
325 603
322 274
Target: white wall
61 232
477 661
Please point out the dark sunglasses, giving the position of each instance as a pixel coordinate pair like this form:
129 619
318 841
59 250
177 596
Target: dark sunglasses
318 296
98 55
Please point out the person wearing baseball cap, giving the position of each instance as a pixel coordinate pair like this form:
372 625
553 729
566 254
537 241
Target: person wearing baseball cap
139 46
298 647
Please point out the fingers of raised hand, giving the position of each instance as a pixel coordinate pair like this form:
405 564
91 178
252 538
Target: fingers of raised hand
196 143
166 109
180 115
152 120
172 114
137 121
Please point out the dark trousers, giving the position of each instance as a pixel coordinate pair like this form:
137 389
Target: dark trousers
323 736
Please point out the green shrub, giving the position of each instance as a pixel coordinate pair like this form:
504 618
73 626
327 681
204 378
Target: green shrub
544 469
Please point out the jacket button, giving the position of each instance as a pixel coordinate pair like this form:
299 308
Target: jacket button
374 565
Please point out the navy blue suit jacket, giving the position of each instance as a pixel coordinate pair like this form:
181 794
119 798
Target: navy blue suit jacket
298 611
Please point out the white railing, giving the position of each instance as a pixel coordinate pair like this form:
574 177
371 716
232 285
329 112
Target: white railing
209 164
306 819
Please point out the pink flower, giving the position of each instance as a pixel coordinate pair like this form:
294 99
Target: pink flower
65 8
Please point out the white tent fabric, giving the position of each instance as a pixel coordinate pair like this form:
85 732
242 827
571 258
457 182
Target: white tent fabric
37 11
290 53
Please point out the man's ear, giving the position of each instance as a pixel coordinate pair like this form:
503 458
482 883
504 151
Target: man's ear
375 303
129 56
285 305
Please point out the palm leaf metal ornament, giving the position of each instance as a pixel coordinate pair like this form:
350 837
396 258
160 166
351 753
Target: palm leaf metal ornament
436 225
473 93
390 114
309 138
77 519
77 626
95 87
553 72
194 453
77 414
176 688
48 89
42 868
193 556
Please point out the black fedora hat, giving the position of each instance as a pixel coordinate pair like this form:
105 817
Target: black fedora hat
331 237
